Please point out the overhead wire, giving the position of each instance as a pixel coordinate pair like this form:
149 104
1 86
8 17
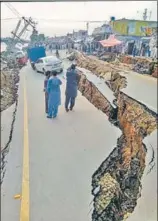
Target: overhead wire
13 9
8 19
18 16
67 20
55 20
15 12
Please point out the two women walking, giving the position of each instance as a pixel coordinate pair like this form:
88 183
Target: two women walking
53 93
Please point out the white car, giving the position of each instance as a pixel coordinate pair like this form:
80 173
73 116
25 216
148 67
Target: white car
49 63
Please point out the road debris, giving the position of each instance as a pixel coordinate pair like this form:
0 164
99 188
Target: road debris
9 80
18 196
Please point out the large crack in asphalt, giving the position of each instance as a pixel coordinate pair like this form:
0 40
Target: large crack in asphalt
6 148
116 184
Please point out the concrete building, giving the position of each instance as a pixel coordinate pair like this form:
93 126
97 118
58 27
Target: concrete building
102 32
81 34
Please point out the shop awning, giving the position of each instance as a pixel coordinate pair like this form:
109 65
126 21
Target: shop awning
110 42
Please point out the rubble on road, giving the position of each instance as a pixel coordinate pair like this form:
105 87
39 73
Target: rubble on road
124 63
109 187
109 72
9 88
108 56
128 59
155 72
71 56
139 64
9 80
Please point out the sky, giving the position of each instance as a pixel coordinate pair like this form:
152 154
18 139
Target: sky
45 12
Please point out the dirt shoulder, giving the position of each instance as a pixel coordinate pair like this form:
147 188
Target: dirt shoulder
9 87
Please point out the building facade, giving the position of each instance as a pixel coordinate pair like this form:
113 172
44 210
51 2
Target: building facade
133 27
81 34
102 32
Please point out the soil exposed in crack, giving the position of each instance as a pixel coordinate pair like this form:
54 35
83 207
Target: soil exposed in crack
9 86
116 185
5 150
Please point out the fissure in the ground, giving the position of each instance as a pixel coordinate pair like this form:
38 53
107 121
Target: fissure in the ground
10 84
116 184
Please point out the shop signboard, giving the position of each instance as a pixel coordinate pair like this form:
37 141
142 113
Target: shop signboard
134 27
145 28
120 27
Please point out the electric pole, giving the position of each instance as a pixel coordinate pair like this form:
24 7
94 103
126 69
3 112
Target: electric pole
27 22
150 15
87 25
145 14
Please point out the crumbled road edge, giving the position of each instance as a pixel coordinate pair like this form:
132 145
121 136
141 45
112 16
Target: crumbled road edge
9 87
116 185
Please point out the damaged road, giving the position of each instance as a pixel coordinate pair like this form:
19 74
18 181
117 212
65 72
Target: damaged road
9 101
9 87
56 160
116 184
62 170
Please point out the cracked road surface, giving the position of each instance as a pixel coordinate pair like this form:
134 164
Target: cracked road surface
60 156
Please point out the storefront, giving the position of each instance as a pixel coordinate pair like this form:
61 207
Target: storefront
129 27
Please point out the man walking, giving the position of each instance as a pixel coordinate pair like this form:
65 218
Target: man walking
72 78
54 95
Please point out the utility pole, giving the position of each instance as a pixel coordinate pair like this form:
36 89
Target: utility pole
16 29
150 15
145 14
87 25
27 22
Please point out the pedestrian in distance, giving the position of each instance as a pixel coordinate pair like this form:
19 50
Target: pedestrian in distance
72 78
54 95
57 53
48 73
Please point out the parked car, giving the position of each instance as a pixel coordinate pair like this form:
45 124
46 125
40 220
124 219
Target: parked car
49 63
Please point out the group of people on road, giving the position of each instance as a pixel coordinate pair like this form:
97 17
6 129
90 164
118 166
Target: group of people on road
53 94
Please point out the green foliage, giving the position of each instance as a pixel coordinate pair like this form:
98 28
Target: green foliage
35 37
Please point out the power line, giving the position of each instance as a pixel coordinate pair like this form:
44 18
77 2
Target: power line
8 19
66 20
58 20
55 20
13 9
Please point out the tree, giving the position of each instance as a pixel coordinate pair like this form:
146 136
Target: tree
41 37
35 37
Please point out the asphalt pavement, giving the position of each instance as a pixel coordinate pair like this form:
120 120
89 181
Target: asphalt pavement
51 161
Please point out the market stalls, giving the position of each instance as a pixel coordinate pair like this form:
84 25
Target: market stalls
135 45
110 42
153 44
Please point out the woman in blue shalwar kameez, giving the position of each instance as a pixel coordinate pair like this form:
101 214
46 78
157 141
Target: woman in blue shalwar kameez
54 95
